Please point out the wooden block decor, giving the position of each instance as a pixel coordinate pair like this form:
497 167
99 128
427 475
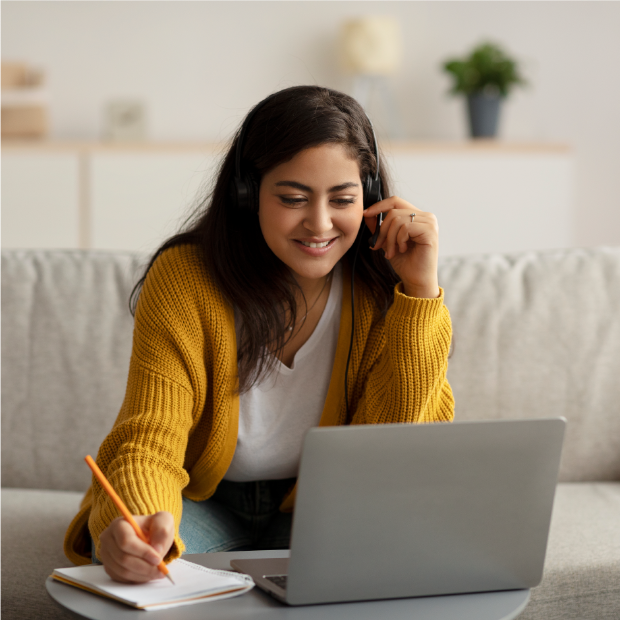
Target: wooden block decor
24 122
14 74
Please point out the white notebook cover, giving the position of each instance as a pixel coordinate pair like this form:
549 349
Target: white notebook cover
194 584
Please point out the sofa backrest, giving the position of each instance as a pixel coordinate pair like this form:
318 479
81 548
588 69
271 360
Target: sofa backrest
66 342
535 335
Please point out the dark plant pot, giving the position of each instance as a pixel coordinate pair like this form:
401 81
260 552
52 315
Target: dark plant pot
483 111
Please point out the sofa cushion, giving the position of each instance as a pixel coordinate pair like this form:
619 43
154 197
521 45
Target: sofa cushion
66 342
581 580
537 334
33 529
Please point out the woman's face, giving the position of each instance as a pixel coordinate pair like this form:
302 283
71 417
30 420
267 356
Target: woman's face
315 199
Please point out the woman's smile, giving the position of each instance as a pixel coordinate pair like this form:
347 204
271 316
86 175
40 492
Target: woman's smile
316 248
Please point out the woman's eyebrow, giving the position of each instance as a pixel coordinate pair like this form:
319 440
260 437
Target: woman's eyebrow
294 184
338 188
305 188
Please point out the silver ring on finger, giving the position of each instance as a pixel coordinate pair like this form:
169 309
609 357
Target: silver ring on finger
412 216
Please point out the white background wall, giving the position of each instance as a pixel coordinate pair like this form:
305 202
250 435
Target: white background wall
200 65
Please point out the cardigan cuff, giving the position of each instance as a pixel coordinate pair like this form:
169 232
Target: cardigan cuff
416 307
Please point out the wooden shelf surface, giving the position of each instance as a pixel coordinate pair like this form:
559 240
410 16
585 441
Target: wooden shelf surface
392 148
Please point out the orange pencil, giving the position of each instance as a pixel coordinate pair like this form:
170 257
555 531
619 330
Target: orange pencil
121 506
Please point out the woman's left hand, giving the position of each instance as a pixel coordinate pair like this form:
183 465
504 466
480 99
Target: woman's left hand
410 244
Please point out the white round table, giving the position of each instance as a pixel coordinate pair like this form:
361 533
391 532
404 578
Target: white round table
256 605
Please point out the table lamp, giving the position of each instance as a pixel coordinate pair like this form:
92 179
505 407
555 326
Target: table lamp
371 49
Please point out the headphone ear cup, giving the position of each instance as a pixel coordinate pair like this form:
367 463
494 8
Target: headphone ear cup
238 194
245 194
372 191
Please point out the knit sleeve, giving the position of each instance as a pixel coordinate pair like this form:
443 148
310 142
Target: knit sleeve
401 375
144 455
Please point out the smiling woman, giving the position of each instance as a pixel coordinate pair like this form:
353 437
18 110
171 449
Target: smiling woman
244 330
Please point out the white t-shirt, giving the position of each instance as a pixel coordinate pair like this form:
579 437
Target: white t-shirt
275 414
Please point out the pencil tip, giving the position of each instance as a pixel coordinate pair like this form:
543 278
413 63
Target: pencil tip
171 579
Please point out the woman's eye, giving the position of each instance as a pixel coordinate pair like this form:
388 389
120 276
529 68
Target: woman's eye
292 201
299 200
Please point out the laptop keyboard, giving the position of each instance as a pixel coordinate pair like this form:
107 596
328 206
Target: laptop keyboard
279 580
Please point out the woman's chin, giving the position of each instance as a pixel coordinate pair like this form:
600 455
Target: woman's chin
312 273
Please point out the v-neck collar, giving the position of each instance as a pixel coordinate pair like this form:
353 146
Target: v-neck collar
335 293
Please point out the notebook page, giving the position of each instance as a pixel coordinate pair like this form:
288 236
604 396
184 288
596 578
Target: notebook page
192 580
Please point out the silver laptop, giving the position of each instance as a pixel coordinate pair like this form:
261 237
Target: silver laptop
400 510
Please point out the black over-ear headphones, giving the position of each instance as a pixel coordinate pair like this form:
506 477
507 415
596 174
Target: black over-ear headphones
243 190
244 198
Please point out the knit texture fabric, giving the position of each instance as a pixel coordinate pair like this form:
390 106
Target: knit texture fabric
176 431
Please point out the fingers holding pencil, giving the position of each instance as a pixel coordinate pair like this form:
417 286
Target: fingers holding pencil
159 530
126 557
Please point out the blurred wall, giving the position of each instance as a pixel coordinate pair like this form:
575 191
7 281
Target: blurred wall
199 66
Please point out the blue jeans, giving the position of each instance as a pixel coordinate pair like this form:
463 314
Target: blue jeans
239 516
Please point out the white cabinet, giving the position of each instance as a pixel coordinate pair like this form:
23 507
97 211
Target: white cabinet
40 199
488 197
139 199
490 201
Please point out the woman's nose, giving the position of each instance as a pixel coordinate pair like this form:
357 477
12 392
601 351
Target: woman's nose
319 219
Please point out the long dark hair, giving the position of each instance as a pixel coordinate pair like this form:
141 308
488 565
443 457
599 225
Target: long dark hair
252 279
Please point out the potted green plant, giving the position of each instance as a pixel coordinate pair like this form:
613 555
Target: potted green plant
485 77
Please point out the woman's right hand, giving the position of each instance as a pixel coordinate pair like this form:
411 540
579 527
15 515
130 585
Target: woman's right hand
128 559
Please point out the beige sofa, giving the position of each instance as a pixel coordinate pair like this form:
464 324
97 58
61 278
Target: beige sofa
535 335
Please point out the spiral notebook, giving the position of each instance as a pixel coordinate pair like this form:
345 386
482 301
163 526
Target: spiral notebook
194 584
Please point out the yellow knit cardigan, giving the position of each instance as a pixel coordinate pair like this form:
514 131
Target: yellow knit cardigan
176 431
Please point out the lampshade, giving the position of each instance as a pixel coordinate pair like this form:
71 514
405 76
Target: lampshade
371 45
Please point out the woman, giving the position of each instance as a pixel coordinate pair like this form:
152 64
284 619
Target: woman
243 339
